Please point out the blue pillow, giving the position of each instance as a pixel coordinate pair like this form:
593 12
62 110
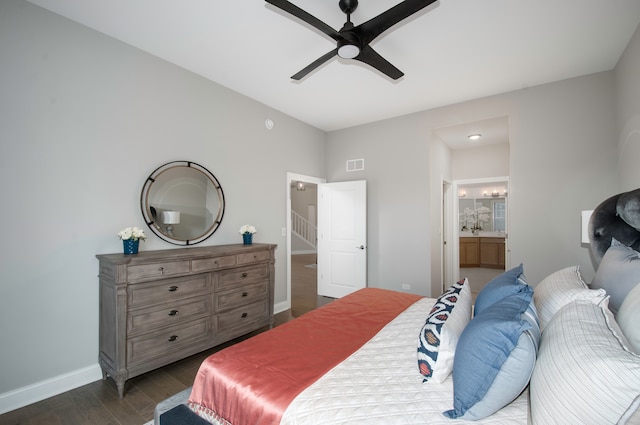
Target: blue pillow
498 345
508 283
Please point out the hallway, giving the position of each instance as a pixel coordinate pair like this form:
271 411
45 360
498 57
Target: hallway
304 289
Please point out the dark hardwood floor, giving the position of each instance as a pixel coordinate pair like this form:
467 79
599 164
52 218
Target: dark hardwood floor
98 404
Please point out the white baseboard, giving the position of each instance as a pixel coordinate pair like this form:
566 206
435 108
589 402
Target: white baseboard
39 391
281 306
303 252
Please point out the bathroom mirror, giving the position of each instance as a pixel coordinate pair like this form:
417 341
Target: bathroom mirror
182 202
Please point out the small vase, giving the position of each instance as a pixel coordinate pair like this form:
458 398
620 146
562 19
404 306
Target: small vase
130 246
247 238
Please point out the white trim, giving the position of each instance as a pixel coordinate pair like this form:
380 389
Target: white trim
280 307
39 391
312 251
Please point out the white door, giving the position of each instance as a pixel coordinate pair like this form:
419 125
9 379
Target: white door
342 238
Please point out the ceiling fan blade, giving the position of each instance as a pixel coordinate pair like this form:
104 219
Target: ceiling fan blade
371 57
315 64
306 17
369 30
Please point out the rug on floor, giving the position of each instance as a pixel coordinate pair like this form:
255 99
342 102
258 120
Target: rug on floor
180 415
312 266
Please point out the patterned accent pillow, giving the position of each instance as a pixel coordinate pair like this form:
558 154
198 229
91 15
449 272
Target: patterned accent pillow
439 336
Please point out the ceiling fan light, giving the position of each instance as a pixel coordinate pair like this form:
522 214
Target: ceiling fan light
348 51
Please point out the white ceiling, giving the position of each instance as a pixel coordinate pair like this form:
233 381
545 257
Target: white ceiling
452 51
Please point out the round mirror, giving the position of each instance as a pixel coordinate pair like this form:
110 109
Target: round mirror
182 202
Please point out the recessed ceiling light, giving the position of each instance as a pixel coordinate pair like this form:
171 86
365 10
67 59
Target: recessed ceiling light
475 136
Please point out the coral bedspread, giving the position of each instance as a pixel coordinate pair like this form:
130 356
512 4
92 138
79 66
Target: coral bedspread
254 381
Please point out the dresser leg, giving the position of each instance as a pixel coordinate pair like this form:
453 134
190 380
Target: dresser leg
120 386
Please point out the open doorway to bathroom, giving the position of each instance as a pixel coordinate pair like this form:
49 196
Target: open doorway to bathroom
478 169
481 227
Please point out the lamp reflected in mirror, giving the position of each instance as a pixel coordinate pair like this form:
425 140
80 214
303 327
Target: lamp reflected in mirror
170 218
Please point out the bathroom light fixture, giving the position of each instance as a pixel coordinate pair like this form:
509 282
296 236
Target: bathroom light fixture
475 136
300 186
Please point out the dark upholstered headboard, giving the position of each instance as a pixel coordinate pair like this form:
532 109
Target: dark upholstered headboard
618 217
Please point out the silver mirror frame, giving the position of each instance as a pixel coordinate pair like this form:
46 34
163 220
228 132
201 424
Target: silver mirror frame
152 220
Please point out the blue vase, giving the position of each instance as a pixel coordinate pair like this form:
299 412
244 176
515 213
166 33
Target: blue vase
130 246
247 238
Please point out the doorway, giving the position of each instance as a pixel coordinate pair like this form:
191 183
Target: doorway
478 153
480 230
302 277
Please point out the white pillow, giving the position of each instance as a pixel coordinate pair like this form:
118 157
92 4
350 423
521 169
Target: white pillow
628 318
585 373
618 273
559 289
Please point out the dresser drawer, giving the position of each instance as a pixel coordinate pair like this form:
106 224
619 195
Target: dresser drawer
241 316
245 294
168 290
156 270
148 319
253 257
206 264
163 342
232 278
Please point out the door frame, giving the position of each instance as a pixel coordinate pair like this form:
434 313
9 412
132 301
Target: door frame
454 259
446 247
290 178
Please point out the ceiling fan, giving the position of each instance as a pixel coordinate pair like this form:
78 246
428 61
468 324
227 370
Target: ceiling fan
353 41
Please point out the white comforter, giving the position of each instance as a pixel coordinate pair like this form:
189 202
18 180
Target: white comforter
380 384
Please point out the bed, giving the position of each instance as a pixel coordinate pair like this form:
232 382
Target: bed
552 352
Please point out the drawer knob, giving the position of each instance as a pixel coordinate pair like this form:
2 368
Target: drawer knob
244 294
245 314
173 338
173 288
161 270
173 312
245 274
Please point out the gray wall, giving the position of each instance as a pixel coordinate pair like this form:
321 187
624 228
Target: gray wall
628 113
480 162
562 161
84 120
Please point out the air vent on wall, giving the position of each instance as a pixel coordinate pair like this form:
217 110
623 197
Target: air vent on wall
355 164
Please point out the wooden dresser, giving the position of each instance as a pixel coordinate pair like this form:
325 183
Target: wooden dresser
157 307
